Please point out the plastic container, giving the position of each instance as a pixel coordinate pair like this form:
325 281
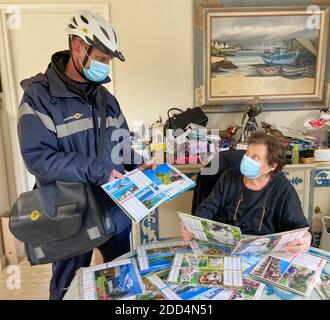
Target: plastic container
295 154
325 238
321 134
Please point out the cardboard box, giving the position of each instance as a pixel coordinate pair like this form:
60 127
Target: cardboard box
14 249
322 154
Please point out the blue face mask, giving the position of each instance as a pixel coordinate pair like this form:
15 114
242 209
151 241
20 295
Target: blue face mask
97 71
250 168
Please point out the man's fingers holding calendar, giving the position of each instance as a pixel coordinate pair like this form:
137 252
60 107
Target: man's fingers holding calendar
116 175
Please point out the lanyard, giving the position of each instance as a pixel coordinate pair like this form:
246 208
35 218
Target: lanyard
263 210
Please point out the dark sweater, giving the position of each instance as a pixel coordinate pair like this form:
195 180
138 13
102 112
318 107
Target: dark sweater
283 208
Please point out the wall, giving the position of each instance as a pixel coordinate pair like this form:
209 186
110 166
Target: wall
157 40
159 70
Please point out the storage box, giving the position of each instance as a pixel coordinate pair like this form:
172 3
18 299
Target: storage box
14 249
322 154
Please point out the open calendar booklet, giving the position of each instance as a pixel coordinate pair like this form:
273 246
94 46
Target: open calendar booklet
272 262
141 192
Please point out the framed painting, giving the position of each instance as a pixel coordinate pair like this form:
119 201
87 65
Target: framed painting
278 54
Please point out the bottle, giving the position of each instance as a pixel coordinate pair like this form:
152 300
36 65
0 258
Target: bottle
295 154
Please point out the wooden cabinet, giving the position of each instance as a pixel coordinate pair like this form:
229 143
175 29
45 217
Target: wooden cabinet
319 204
312 183
300 179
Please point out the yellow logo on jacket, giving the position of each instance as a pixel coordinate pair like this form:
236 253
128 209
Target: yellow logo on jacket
77 116
35 215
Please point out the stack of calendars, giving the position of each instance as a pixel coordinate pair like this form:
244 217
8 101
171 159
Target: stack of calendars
267 255
215 266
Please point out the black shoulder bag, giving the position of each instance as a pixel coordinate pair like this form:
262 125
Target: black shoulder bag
183 118
62 219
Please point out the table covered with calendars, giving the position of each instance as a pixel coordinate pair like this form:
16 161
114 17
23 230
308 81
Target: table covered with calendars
253 290
220 263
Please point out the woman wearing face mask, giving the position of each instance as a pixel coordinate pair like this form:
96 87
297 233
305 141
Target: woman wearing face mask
257 198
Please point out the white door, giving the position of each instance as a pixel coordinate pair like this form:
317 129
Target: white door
4 194
26 51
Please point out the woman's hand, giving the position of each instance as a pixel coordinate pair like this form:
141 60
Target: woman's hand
186 235
301 245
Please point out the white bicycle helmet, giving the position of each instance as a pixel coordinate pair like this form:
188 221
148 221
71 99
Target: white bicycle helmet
96 32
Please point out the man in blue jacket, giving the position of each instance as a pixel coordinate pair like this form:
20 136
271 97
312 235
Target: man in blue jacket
58 128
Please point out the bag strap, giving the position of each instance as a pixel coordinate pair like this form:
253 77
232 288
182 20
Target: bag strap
100 147
173 109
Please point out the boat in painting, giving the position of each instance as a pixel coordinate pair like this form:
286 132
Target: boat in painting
279 56
294 71
269 71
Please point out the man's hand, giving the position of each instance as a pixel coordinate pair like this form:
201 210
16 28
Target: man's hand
186 235
116 175
147 165
301 245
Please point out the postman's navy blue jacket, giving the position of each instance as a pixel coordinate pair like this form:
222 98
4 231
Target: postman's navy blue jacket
58 129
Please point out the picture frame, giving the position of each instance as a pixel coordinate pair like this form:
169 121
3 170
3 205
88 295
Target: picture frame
271 52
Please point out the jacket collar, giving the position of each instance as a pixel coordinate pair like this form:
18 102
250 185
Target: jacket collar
60 85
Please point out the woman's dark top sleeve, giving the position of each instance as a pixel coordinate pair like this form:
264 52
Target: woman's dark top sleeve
292 216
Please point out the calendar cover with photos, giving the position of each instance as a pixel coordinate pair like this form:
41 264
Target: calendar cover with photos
141 192
222 236
251 291
175 292
119 280
156 253
296 273
201 270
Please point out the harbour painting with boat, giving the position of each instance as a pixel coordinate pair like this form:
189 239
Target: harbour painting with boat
262 56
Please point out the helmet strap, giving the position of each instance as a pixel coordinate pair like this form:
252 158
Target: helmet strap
84 62
88 53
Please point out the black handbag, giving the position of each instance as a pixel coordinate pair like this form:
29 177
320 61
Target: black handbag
182 119
62 219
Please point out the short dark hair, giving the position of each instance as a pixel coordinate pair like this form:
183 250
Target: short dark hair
275 151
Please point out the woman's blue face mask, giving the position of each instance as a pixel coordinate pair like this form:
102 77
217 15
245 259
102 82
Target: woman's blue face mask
250 168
